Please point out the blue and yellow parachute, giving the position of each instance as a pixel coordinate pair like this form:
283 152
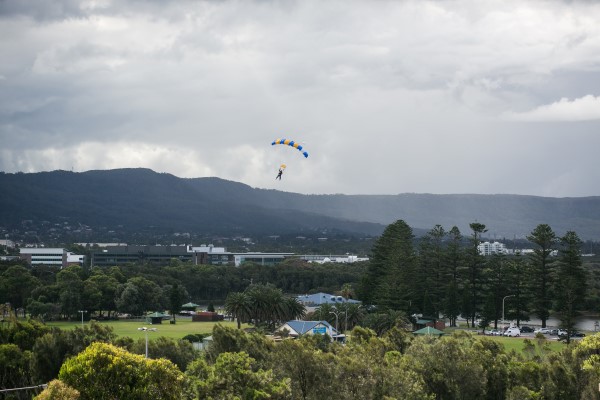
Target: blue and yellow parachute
290 143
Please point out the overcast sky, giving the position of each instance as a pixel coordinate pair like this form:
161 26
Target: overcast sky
387 97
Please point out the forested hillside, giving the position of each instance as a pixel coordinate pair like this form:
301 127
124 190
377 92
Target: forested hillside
136 198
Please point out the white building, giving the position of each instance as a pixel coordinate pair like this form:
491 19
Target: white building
50 256
45 256
75 259
487 248
341 259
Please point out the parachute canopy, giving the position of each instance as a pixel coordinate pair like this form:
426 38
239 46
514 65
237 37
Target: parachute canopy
290 143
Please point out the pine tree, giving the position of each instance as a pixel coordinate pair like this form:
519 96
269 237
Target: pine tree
454 259
389 278
570 283
474 272
540 269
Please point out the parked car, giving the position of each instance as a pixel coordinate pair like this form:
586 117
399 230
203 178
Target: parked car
554 332
495 332
512 332
545 331
526 329
575 334
561 332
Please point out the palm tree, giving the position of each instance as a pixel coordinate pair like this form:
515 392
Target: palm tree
292 309
347 292
238 305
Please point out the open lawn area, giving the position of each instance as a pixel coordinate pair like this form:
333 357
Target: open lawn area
518 344
130 328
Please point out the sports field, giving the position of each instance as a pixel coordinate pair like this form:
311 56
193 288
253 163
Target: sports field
130 328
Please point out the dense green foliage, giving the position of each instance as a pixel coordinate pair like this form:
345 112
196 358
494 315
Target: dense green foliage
48 293
393 365
440 273
116 371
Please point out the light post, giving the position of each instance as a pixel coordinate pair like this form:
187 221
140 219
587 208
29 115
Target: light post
146 331
346 322
82 312
336 313
505 297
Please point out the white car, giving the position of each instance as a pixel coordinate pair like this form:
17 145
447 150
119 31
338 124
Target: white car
545 331
512 332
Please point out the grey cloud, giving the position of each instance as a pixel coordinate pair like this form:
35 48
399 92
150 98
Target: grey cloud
390 98
41 10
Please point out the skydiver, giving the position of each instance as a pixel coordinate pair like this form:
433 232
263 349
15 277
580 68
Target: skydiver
279 174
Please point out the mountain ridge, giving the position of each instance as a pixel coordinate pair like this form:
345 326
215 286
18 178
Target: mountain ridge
144 197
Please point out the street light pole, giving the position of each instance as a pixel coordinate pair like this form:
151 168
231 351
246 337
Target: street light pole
336 313
505 297
146 331
82 312
346 323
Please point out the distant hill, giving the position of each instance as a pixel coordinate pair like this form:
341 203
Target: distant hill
141 198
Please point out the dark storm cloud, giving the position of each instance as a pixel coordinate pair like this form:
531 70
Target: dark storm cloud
390 97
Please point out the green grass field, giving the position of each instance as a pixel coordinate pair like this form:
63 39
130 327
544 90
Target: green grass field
185 327
130 328
517 344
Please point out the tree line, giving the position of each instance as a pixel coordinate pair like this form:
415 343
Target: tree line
52 293
445 274
440 273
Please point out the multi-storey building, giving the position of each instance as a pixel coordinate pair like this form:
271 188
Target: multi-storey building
50 256
487 248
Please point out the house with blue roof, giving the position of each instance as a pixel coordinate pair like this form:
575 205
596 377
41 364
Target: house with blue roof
298 328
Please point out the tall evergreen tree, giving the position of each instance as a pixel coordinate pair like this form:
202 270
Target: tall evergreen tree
390 275
474 272
570 283
516 282
496 288
431 280
454 259
540 268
